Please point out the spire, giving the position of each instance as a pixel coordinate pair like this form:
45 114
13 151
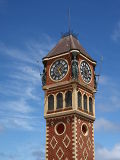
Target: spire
66 44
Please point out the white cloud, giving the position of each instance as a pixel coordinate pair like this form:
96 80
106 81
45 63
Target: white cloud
39 154
8 156
19 106
103 153
21 88
103 80
26 73
20 122
18 54
116 32
33 50
108 96
106 125
109 102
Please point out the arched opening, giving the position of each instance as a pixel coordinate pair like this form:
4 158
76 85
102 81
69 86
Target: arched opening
90 105
79 100
85 102
68 99
50 102
59 100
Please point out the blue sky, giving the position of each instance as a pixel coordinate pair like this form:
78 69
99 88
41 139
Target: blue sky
28 30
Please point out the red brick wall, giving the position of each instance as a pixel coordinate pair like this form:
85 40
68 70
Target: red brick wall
59 138
68 57
49 63
85 142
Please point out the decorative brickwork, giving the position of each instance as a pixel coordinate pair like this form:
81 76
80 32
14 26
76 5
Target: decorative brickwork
85 143
60 147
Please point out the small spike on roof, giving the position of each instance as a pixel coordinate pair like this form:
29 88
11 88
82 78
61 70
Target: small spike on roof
66 44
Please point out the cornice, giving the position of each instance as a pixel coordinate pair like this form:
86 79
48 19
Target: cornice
66 53
70 112
68 83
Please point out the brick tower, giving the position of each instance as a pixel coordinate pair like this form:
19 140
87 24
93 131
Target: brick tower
69 83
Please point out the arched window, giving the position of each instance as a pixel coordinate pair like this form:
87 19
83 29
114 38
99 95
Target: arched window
79 100
68 99
50 102
85 102
90 105
59 100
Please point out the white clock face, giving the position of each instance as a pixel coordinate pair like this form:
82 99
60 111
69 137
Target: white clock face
59 69
85 71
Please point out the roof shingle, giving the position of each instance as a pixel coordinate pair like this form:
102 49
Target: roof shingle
66 44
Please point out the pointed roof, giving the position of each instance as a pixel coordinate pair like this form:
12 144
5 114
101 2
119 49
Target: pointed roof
66 44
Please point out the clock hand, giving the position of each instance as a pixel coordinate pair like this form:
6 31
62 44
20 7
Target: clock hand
60 66
59 71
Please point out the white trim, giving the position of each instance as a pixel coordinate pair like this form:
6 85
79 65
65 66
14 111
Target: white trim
46 146
60 55
53 139
86 134
56 128
85 151
66 137
74 97
59 92
56 85
62 113
74 137
74 50
93 62
60 149
45 103
79 140
89 142
93 142
64 102
56 56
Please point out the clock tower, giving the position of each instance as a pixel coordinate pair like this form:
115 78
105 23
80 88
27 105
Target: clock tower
69 84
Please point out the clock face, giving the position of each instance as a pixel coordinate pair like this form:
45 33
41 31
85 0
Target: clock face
85 71
59 69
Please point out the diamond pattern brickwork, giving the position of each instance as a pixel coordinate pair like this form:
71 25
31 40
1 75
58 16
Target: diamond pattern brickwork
60 153
85 143
89 144
80 142
85 154
66 141
53 142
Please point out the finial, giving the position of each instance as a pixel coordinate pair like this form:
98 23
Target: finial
70 31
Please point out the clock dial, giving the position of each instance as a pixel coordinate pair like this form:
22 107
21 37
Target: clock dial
59 69
85 71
